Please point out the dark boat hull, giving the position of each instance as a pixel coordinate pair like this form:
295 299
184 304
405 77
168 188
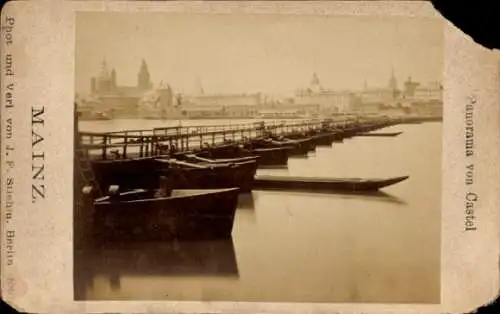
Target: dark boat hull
325 139
199 215
296 147
127 173
323 184
272 156
305 140
351 131
216 176
245 175
145 173
302 146
267 156
241 175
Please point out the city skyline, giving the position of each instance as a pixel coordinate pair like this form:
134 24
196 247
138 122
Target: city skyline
268 54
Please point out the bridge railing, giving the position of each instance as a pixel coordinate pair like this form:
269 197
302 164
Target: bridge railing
157 141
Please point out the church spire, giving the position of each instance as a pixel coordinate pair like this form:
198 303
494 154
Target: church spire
104 74
113 78
393 84
143 77
199 87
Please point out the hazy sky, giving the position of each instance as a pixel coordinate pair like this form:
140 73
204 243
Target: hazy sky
249 53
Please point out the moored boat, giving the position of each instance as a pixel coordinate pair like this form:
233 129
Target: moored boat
196 158
267 156
144 173
130 173
149 215
304 139
379 134
323 139
209 175
273 156
324 184
296 147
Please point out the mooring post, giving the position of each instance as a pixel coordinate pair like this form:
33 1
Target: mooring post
104 147
124 147
141 147
149 146
156 142
154 146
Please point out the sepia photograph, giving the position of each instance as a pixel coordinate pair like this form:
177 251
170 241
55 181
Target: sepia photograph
257 157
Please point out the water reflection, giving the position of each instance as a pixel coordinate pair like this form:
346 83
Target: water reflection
214 258
274 167
365 196
246 201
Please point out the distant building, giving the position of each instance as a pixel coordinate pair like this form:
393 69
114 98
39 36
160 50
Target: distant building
123 101
105 82
412 98
204 111
229 105
158 103
225 99
328 101
373 100
424 99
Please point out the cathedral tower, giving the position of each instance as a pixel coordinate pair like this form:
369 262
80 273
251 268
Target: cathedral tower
143 78
393 84
199 87
113 79
103 80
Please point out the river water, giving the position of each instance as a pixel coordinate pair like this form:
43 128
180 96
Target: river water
301 247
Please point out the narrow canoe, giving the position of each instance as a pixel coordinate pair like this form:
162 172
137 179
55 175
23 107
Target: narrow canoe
379 134
324 184
196 158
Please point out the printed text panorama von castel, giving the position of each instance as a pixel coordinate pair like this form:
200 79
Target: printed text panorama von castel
471 198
